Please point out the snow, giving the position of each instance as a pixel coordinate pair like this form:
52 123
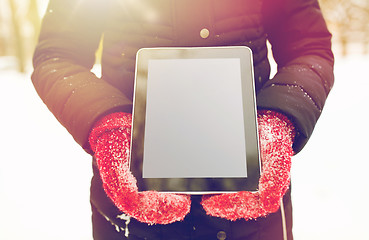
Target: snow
45 175
329 177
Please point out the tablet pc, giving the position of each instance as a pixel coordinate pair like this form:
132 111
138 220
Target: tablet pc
194 121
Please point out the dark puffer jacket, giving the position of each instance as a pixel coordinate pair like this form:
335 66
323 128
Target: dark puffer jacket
71 33
72 30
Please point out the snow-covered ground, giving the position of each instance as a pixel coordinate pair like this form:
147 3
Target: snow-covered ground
330 176
45 175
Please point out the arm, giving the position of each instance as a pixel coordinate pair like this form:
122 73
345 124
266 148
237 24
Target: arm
70 34
301 45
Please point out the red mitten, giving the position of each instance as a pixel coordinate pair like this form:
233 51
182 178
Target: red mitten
110 141
276 135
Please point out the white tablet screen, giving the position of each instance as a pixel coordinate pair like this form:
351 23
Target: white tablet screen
194 119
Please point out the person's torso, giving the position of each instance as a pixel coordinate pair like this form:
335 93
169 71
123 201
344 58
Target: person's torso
132 25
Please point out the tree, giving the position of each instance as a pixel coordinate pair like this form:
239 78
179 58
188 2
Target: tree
348 20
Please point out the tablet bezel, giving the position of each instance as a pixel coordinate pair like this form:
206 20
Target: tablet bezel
196 185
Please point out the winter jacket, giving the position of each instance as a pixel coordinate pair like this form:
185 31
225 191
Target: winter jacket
72 30
71 33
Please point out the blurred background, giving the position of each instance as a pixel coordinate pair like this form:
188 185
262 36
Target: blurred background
45 175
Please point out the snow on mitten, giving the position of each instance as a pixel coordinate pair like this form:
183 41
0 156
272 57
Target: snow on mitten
276 135
110 142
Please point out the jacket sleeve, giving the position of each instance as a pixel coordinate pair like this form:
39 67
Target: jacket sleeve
70 34
301 45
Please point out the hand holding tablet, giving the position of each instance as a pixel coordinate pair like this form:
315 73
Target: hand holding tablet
110 142
207 145
276 138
